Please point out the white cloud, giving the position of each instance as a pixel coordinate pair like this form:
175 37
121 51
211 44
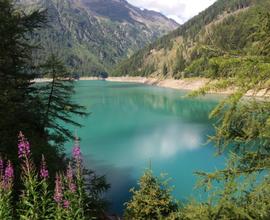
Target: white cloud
169 141
179 10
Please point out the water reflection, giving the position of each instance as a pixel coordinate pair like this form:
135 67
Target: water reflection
131 124
169 141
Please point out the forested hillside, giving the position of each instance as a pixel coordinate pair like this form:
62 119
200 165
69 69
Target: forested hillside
91 36
207 45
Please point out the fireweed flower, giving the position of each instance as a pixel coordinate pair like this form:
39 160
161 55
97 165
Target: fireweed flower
8 177
44 173
9 173
66 204
72 187
76 151
69 175
23 146
58 194
1 166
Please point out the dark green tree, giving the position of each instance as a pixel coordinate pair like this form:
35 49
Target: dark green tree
180 63
17 96
152 200
57 102
164 69
20 107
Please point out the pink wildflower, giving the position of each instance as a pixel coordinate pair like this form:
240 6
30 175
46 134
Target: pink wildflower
71 185
58 194
23 146
76 151
1 166
66 204
9 173
44 173
8 177
69 173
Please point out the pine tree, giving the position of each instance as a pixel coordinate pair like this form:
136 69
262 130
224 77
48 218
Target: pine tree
57 102
17 101
151 201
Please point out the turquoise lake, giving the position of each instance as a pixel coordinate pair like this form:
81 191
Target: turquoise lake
133 124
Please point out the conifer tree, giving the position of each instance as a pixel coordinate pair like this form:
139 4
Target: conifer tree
18 105
56 96
152 200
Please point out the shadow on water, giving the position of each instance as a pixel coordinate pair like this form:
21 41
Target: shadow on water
120 180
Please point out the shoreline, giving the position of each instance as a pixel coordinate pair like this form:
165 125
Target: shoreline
191 84
188 84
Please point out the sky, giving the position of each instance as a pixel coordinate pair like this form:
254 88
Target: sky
179 10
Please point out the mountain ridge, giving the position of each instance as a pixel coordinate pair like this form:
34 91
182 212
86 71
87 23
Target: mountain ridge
92 36
223 28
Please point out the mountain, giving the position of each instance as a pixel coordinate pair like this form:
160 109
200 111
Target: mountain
93 35
211 43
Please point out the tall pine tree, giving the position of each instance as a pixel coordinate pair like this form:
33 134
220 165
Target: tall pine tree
56 97
17 97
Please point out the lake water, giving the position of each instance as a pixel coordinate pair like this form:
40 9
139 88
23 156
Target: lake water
133 124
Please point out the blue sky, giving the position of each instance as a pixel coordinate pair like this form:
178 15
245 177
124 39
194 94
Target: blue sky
179 10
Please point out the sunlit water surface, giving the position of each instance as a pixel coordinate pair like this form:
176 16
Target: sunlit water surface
133 124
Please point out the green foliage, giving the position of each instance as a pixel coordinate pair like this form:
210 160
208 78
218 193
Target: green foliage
16 101
237 196
196 67
262 36
164 69
180 63
94 187
56 96
152 200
